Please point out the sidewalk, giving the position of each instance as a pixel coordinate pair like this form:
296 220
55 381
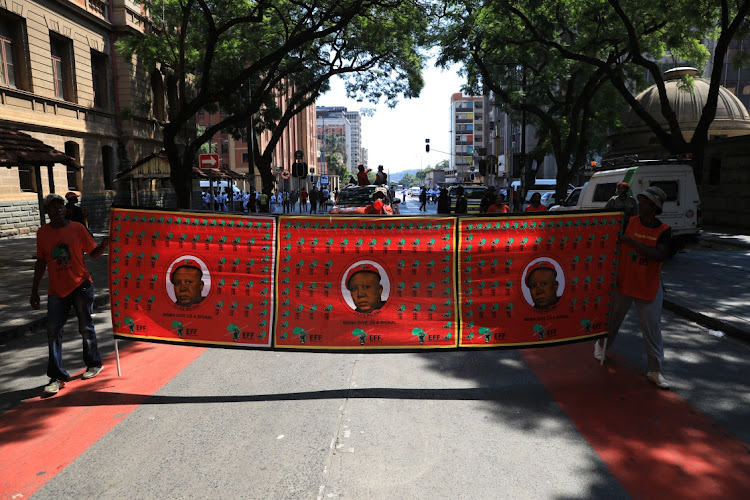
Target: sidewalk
17 259
706 285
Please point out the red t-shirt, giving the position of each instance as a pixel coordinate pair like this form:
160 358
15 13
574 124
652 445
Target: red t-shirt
638 276
540 208
63 248
502 209
362 178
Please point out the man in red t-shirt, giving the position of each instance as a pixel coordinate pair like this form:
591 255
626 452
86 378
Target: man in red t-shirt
60 246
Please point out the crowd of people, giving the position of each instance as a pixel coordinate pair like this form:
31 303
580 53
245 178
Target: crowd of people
280 201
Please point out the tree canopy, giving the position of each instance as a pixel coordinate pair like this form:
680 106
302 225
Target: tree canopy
241 56
562 62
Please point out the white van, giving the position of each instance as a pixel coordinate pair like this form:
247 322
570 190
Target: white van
219 186
680 211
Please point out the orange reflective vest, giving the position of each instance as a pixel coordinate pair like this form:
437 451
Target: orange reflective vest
638 276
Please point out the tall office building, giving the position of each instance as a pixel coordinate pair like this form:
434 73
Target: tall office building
347 125
467 138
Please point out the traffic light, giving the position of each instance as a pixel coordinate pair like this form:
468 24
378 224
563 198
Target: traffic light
299 169
482 166
427 145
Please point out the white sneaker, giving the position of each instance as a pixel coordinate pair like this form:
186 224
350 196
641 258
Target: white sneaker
658 380
599 350
53 386
91 372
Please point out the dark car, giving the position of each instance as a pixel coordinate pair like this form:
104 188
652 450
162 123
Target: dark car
361 200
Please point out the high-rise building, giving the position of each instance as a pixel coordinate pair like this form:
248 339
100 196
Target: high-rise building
346 125
467 138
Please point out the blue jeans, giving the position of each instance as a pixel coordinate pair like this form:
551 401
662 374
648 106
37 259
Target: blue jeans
82 301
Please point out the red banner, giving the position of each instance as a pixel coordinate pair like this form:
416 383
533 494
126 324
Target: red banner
194 278
366 283
362 282
536 279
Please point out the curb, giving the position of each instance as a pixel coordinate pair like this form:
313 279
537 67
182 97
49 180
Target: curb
101 300
707 321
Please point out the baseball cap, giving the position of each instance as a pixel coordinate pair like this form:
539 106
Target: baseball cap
70 194
185 263
52 197
623 184
542 264
656 196
364 267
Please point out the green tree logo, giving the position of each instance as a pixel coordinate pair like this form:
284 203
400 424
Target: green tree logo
486 333
234 331
420 334
301 333
359 332
540 331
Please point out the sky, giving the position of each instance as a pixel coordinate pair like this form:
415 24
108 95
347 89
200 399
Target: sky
395 138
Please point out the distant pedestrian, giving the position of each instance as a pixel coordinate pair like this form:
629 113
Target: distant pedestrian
462 204
487 200
313 199
73 211
303 200
535 204
443 202
499 206
60 246
623 201
423 199
645 245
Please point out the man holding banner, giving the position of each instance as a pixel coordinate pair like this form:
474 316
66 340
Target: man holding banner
645 245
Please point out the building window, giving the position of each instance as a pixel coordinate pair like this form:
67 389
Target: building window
13 63
62 67
99 65
107 166
25 178
72 149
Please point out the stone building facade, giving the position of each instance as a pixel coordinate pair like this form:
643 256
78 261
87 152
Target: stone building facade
63 82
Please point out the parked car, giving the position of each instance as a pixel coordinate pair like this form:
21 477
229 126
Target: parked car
361 200
549 199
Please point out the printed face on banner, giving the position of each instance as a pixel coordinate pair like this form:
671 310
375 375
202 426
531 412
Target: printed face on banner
194 278
366 283
536 280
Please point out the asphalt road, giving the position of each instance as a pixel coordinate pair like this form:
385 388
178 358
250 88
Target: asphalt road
480 424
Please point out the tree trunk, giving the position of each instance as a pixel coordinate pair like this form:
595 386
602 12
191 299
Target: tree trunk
180 173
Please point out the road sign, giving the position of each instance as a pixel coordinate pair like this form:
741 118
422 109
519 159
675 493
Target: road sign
208 160
285 174
324 179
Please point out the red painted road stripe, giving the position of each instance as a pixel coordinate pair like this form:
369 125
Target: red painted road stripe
40 437
652 441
